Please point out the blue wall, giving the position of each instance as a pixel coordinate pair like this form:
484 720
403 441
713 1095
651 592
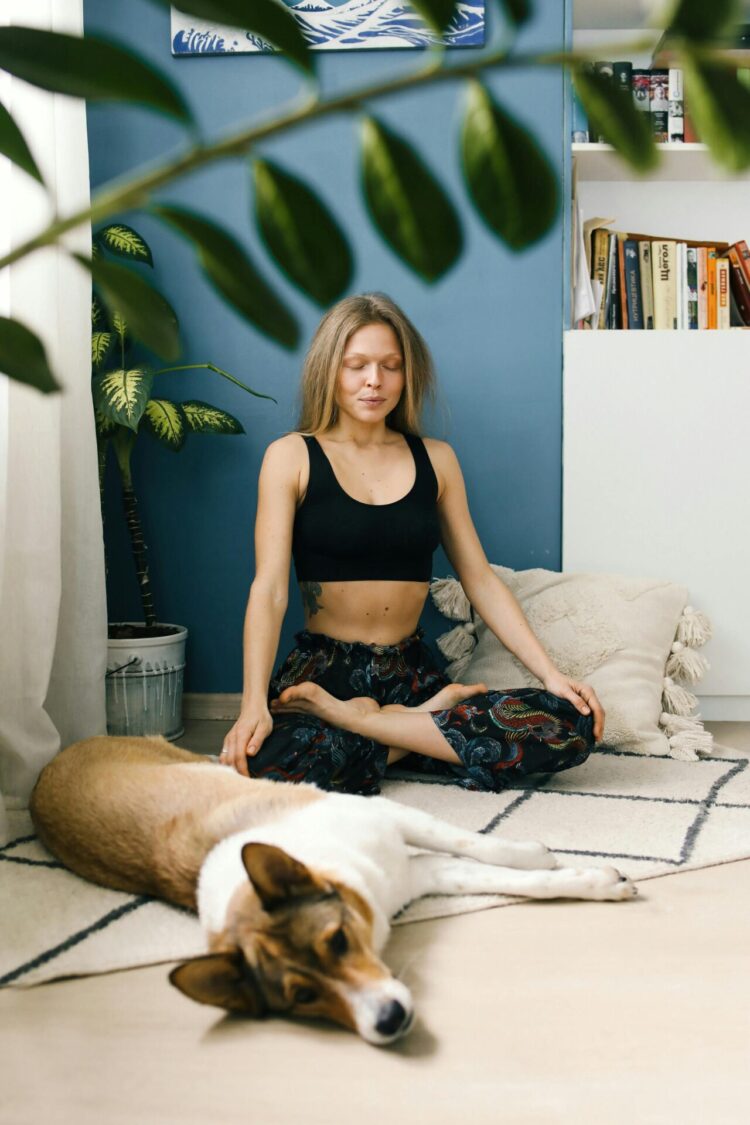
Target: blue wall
493 325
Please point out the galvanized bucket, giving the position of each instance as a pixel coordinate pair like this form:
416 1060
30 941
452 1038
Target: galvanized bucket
144 683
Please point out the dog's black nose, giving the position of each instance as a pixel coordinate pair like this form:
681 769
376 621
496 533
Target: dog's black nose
391 1018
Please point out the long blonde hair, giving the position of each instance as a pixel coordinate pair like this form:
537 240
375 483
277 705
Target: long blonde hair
325 357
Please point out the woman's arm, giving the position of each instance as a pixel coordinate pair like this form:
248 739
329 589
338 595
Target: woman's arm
489 595
278 486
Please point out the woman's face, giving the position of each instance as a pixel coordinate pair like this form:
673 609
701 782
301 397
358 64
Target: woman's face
371 378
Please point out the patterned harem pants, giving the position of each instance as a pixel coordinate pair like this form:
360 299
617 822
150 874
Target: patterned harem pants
495 735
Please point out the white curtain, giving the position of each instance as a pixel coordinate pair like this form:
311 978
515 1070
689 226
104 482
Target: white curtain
52 596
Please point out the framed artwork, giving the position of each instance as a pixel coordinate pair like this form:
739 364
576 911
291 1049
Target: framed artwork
335 25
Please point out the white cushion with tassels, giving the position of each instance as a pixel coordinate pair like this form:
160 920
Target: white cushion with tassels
632 639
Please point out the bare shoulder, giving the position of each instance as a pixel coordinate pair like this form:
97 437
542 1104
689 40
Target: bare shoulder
285 460
444 461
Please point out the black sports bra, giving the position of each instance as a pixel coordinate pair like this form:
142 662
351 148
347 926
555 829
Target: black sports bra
339 539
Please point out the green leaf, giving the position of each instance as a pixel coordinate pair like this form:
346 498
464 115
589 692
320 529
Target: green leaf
510 180
720 108
101 342
120 328
23 358
89 67
123 441
437 14
166 421
105 427
301 233
407 204
229 268
99 319
149 316
203 418
613 113
125 242
702 19
13 145
122 396
270 19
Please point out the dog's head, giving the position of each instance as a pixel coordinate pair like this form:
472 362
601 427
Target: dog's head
298 944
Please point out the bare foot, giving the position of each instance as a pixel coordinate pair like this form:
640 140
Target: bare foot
449 696
312 699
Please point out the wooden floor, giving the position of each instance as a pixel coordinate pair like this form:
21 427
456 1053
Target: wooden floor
578 1013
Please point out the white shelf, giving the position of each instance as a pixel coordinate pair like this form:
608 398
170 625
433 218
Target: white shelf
678 162
610 15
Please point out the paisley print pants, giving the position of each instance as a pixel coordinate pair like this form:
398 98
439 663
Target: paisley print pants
496 734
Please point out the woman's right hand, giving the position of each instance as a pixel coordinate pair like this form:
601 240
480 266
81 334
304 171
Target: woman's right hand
246 738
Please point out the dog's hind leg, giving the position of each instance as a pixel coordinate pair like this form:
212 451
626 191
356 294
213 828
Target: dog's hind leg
447 875
422 830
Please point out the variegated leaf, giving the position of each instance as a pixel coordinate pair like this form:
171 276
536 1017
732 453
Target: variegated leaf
98 315
120 327
166 421
104 426
122 395
100 345
126 242
203 418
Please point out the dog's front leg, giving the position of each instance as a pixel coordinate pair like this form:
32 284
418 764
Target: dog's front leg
447 875
422 830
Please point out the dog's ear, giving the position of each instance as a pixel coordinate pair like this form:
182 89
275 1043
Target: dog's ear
277 877
224 980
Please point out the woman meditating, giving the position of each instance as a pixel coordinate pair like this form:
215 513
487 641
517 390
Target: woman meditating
361 501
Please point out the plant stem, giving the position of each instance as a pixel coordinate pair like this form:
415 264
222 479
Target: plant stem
136 192
212 367
138 545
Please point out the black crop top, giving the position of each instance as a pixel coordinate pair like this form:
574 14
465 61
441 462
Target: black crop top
339 539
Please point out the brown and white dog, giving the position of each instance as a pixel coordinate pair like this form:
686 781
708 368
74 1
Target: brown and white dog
295 887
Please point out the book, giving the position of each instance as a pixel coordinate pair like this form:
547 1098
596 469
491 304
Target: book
659 104
647 284
613 304
622 288
744 254
622 74
722 293
633 283
739 285
641 80
604 317
702 287
663 255
600 253
691 285
607 69
679 276
711 287
675 98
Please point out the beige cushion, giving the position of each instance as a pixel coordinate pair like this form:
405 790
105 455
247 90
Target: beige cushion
613 631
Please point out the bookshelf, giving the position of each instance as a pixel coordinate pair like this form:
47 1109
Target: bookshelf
656 461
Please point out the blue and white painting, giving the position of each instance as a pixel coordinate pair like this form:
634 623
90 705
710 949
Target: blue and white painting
341 25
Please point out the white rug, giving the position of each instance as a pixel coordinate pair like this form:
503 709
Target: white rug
647 816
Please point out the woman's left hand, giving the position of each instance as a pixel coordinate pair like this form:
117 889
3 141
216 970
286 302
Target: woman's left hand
581 695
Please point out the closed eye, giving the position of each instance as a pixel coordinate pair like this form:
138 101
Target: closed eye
305 995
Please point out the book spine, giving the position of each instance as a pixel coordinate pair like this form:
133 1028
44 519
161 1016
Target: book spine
659 102
665 287
607 69
580 123
599 271
722 290
622 74
702 287
679 277
744 254
691 286
711 295
642 90
633 283
739 285
604 312
622 288
613 307
647 284
676 120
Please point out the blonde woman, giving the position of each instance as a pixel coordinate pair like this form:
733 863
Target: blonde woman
359 500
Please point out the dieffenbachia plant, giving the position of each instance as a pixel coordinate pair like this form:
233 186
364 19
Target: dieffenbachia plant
507 176
124 405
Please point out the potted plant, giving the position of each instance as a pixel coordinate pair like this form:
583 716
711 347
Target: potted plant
146 659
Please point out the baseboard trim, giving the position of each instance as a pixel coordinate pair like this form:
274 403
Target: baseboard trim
724 708
211 705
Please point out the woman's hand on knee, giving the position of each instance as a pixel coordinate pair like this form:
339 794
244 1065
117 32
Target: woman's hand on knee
581 695
245 738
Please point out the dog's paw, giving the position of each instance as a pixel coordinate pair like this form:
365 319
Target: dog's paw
612 886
